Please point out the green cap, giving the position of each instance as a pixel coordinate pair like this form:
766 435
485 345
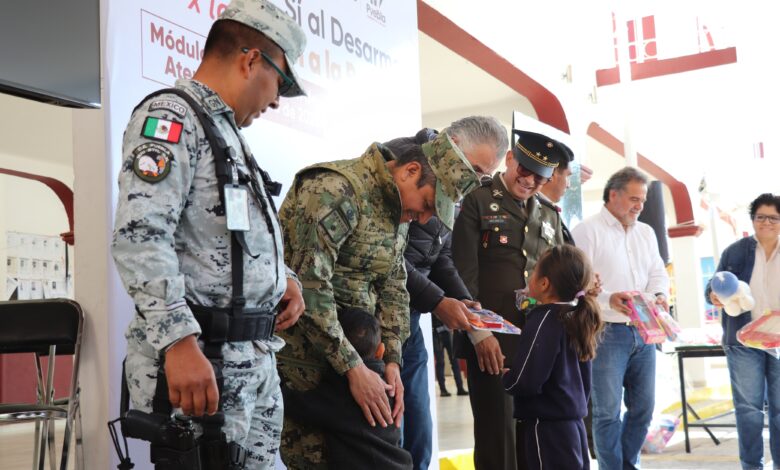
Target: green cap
455 177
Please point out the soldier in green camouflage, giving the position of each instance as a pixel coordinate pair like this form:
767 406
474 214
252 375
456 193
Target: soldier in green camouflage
345 227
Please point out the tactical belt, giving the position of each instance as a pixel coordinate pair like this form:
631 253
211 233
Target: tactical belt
219 325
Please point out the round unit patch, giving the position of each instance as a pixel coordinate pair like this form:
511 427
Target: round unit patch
152 162
494 207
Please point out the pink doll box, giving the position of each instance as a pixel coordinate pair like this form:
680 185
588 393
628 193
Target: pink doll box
645 317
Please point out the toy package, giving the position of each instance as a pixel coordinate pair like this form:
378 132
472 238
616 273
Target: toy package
645 317
762 333
659 433
669 324
491 321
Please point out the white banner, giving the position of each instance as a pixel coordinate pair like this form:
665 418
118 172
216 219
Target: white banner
360 69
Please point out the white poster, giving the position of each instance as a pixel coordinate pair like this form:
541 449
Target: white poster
360 69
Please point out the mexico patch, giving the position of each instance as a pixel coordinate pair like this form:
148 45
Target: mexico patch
152 162
162 129
169 105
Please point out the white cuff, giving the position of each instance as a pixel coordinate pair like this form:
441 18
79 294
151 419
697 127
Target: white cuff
477 336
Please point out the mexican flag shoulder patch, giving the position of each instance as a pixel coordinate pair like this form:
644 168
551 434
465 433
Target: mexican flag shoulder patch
162 129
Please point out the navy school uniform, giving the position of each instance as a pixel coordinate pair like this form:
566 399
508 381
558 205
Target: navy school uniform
550 387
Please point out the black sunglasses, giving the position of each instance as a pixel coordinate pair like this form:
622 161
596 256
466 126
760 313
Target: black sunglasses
525 172
287 82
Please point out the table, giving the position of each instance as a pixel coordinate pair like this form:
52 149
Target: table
683 352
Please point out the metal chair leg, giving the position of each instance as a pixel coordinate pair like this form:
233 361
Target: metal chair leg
36 444
79 440
52 446
40 397
42 444
50 400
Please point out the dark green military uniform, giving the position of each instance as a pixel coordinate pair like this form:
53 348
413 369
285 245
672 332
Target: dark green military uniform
496 243
547 203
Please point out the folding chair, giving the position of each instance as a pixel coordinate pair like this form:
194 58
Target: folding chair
46 328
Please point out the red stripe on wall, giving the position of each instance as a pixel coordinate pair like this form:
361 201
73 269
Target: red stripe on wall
442 29
658 68
680 197
63 192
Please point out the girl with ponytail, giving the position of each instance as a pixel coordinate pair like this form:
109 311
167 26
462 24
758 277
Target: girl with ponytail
550 378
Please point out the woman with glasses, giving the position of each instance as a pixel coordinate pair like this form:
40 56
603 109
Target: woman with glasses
754 373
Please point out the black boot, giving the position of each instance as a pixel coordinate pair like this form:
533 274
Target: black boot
445 393
463 392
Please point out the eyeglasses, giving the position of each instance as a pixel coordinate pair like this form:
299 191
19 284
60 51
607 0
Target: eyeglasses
287 82
772 219
525 172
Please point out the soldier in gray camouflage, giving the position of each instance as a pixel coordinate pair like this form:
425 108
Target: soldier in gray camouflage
345 226
171 243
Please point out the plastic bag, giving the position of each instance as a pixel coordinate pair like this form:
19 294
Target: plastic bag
762 333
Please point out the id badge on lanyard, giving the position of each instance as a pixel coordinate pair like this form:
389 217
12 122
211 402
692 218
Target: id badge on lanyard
237 207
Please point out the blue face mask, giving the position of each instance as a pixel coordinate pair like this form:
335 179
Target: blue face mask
523 301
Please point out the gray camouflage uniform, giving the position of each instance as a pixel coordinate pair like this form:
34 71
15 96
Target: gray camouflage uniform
169 245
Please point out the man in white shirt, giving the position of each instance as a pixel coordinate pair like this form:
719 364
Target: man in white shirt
625 253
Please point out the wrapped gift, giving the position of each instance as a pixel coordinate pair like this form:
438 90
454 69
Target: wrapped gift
491 321
762 333
645 317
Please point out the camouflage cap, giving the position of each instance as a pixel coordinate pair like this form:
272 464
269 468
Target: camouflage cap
537 153
455 177
277 25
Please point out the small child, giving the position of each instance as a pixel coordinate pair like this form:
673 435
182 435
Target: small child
550 379
350 442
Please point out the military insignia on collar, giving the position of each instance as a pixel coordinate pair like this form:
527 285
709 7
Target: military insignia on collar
152 162
162 129
494 206
548 232
214 103
169 105
498 193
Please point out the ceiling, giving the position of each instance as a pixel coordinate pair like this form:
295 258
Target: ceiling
452 87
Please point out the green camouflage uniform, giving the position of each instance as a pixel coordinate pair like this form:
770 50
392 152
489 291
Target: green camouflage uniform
343 237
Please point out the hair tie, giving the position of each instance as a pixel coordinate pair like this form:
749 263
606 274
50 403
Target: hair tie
579 294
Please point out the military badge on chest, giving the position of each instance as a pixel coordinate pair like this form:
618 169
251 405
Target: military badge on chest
548 232
152 162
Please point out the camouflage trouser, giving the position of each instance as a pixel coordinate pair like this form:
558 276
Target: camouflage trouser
302 447
252 400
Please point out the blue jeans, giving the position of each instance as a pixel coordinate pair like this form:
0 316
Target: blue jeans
417 432
754 376
624 367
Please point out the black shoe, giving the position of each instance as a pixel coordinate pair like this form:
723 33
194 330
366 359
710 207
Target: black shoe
463 392
445 393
